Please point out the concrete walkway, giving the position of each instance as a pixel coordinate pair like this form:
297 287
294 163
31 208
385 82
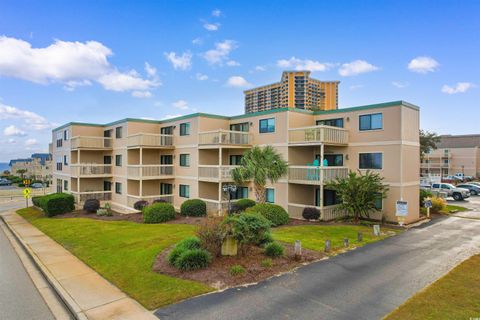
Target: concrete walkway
87 294
366 283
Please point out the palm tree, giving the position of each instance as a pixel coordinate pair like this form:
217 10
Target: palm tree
21 172
259 165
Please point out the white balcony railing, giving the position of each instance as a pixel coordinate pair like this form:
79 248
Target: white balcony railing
131 199
90 170
327 213
149 140
90 142
149 171
215 207
81 197
315 175
318 134
225 137
215 173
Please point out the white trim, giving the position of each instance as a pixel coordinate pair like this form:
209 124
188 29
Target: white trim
385 143
186 177
404 184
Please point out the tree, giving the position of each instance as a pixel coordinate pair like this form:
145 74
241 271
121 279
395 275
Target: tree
359 193
259 165
428 141
21 172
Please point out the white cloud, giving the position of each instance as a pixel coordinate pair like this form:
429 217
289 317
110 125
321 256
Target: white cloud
147 118
170 116
201 77
260 68
399 84
13 131
11 141
151 71
182 62
304 64
211 26
221 52
460 87
232 63
356 86
33 120
141 94
71 63
197 41
181 104
31 142
238 82
423 65
126 81
356 67
216 13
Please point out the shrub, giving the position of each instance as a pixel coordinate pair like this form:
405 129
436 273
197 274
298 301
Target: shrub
184 245
266 239
159 201
158 212
438 204
274 250
193 208
55 203
237 270
211 235
243 204
247 228
140 205
273 212
424 194
91 205
266 263
36 201
311 213
193 259
102 212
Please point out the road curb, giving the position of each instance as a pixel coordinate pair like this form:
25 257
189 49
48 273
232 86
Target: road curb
67 301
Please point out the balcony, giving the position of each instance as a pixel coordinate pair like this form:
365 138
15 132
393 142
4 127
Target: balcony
81 197
215 207
86 170
225 138
327 213
131 199
150 171
318 135
215 173
150 140
84 142
315 175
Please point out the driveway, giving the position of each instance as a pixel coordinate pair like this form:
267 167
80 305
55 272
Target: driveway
366 283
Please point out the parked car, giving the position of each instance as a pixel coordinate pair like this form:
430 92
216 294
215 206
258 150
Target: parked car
425 186
463 177
450 190
36 185
5 182
475 183
452 178
474 189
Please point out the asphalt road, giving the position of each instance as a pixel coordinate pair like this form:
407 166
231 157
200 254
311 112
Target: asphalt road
366 283
19 298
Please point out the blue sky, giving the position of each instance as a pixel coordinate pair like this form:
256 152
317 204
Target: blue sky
100 61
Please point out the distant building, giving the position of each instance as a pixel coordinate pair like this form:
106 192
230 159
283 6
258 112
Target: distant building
295 90
38 166
454 154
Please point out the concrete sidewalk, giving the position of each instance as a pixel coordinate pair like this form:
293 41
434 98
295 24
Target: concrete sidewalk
86 293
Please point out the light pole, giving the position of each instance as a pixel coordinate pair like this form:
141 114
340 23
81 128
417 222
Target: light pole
229 188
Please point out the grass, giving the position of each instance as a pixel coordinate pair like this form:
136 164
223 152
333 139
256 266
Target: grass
455 296
451 207
123 252
313 236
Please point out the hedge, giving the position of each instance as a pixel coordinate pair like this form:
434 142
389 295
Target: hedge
55 203
193 208
158 212
273 212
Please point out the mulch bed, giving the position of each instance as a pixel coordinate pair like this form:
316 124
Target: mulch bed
218 276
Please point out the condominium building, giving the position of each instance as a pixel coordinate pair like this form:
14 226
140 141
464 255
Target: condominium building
38 166
295 90
454 154
192 157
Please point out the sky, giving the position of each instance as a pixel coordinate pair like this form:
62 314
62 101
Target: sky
101 61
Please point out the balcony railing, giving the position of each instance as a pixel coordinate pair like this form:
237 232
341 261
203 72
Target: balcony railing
91 170
318 134
131 199
327 213
81 197
215 207
225 137
90 142
215 173
149 140
315 175
149 171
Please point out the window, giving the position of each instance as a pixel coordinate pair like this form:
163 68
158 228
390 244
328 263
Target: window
59 163
118 188
379 202
107 159
331 160
59 139
65 160
185 160
330 197
370 161
370 122
107 133
241 193
107 186
166 130
65 135
165 188
184 191
59 185
240 127
235 160
331 122
185 129
65 185
267 125
118 160
270 195
118 132
166 159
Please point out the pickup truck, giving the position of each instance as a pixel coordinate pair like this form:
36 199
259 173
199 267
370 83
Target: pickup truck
450 190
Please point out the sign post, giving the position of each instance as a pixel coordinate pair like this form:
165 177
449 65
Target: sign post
428 204
402 211
26 194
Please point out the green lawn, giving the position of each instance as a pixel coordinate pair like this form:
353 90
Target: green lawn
451 207
455 296
313 236
123 252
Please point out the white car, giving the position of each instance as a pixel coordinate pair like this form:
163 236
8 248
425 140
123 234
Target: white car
458 194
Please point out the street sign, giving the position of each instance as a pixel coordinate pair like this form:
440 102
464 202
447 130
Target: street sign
402 208
428 203
27 192
26 182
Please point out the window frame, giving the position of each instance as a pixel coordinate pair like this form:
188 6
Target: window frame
318 122
118 132
118 188
118 156
186 157
266 195
370 115
184 129
268 128
372 152
186 191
